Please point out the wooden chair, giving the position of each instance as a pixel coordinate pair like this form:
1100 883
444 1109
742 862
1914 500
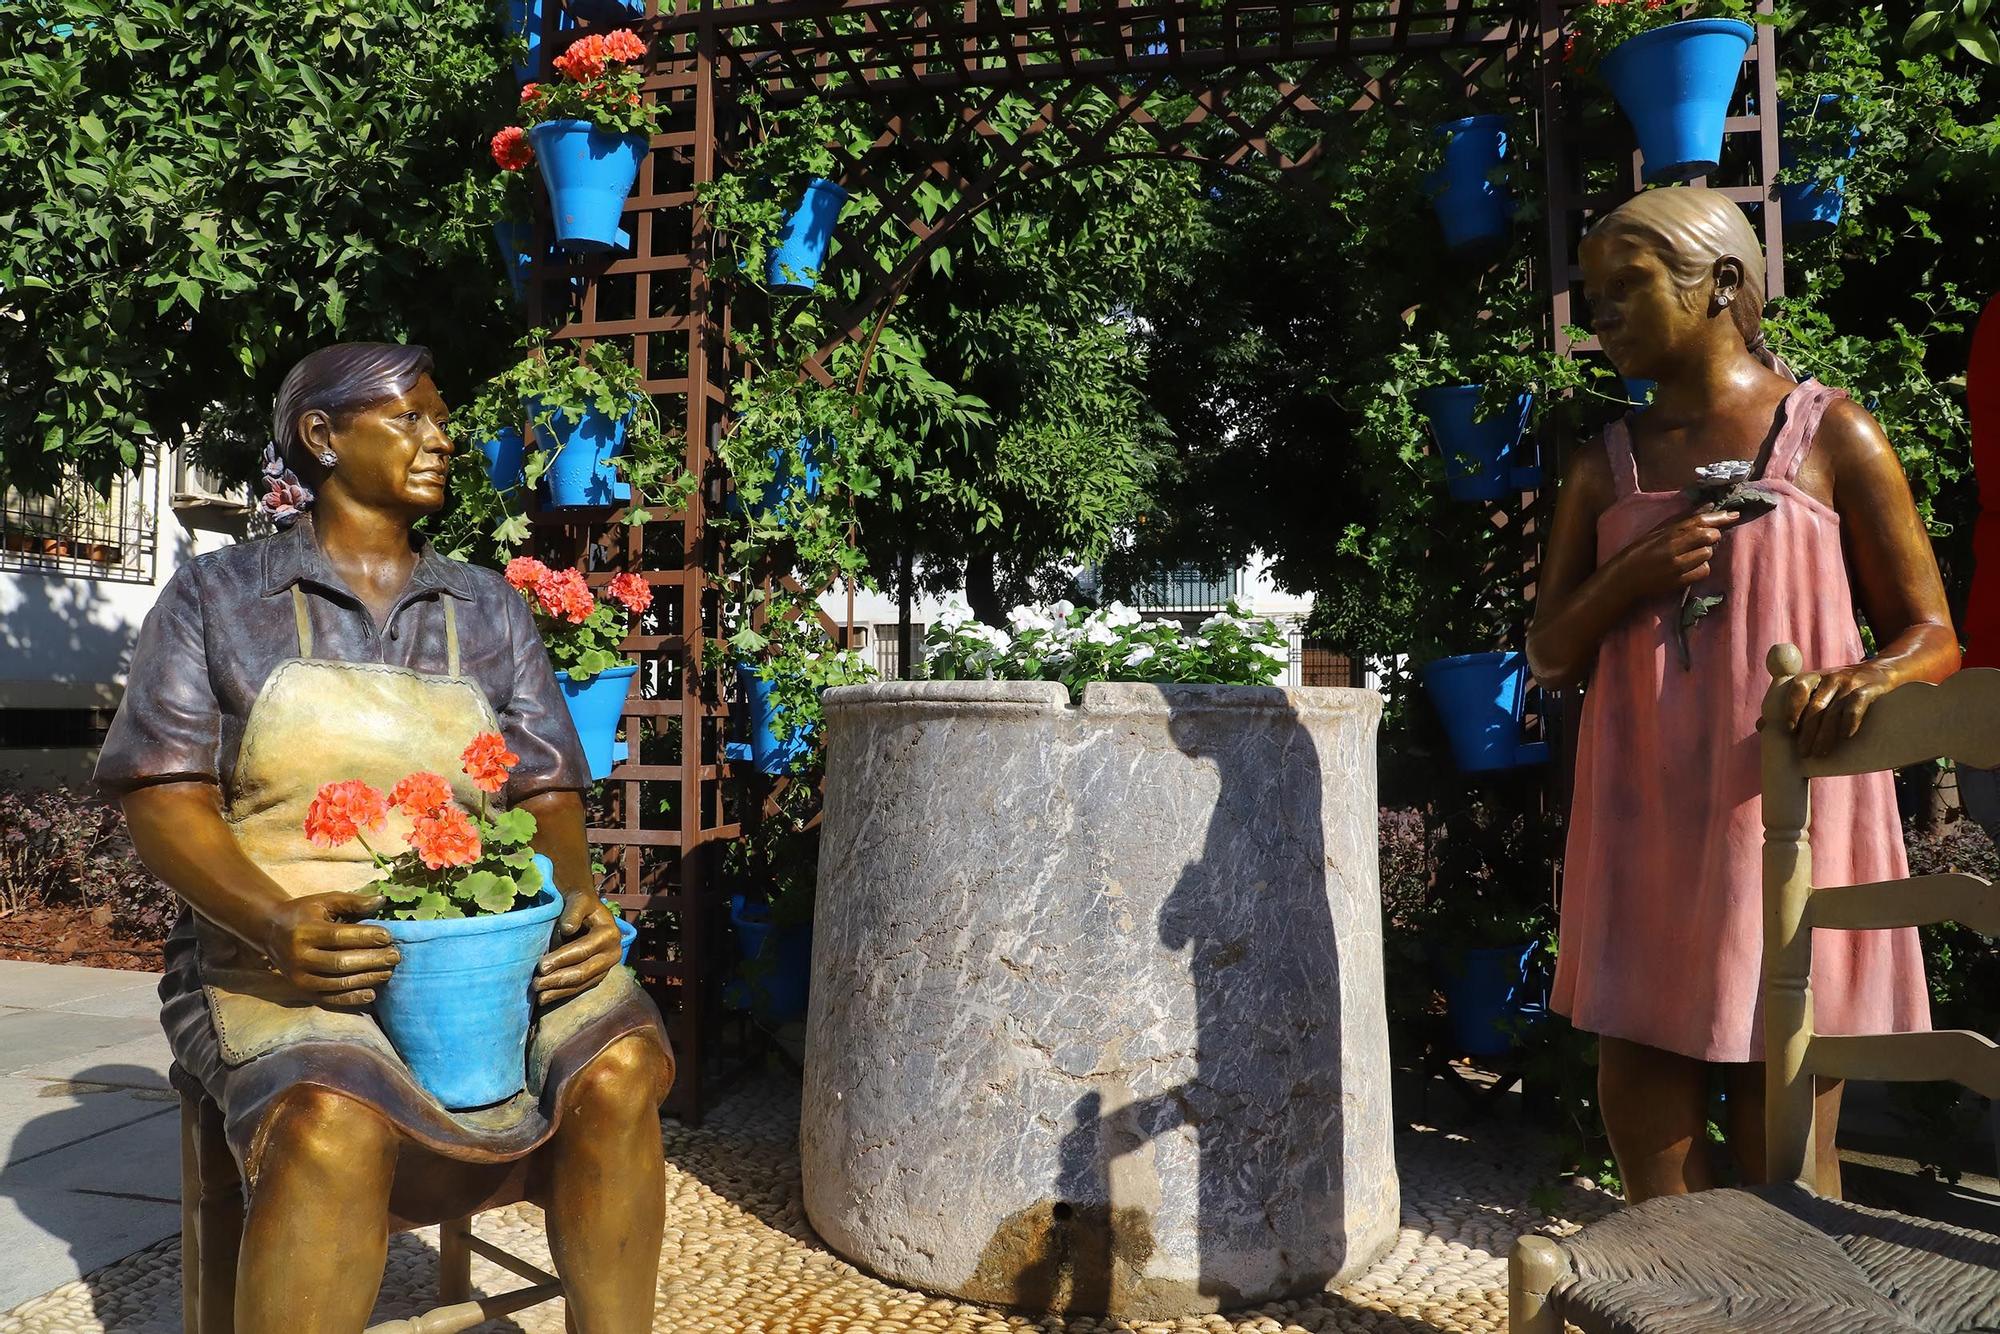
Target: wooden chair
1781 1258
212 1229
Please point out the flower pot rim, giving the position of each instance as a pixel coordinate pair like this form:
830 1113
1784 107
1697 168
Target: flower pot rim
623 671
1499 119
1456 661
1690 28
588 127
546 908
824 183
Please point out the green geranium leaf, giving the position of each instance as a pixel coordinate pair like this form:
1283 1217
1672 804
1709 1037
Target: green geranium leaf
492 893
434 906
397 892
512 826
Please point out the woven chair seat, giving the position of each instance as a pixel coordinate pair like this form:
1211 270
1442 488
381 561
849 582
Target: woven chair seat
1779 1260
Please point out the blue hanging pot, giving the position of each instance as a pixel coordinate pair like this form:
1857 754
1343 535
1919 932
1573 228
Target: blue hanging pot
1483 459
515 240
581 450
457 1007
1491 991
807 472
779 958
1674 84
1472 210
505 456
596 706
1639 393
761 746
607 13
589 174
804 239
1811 209
1481 698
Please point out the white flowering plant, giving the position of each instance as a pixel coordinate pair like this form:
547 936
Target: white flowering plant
1077 645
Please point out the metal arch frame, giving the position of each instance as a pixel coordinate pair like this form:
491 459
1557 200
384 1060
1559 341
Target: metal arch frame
660 302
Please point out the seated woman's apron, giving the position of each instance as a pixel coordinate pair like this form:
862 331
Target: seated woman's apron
247 1035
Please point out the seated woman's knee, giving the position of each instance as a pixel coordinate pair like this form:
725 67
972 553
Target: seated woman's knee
320 1128
627 1075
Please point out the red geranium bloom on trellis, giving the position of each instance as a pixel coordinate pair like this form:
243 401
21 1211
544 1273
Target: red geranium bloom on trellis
511 148
587 58
632 592
421 793
342 811
446 838
524 572
487 761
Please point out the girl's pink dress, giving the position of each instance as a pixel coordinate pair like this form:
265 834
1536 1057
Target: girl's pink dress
1662 919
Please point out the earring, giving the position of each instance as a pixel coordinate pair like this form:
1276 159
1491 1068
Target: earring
1724 299
327 459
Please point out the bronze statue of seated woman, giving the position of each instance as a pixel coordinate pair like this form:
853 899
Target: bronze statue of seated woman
344 647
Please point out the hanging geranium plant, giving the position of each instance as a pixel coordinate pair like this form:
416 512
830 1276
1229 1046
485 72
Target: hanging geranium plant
581 633
600 83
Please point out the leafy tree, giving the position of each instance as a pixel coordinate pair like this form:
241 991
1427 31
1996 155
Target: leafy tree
194 193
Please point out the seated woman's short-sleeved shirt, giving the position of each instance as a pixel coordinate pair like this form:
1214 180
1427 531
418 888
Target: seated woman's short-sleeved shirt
226 620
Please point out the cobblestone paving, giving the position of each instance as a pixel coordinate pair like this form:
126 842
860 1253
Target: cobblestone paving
740 1259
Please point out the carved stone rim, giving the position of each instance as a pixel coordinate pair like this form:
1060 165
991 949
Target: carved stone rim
1121 697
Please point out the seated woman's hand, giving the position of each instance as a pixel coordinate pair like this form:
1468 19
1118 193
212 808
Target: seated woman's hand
1826 708
318 945
590 950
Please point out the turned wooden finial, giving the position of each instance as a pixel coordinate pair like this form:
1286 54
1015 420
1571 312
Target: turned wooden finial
1785 660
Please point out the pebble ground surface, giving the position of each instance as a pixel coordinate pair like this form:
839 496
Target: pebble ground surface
741 1259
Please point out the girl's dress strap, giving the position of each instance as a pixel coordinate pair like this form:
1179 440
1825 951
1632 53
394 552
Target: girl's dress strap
1803 412
1624 465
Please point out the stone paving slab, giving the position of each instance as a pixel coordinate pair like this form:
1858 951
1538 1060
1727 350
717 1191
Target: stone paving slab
739 1257
44 986
40 1039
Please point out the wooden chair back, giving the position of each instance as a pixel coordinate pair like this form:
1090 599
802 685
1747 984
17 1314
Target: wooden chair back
1911 725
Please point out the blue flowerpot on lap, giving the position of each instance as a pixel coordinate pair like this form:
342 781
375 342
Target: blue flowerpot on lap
589 174
595 707
627 933
1482 455
1473 212
1481 698
581 449
805 238
457 1007
1674 85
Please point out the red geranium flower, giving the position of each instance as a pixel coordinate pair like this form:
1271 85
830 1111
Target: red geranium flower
528 90
421 793
511 148
445 838
566 594
586 59
632 592
487 761
340 811
524 572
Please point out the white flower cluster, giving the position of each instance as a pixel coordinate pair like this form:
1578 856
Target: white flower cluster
1061 642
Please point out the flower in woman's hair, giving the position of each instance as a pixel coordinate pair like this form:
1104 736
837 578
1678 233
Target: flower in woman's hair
487 761
287 499
511 148
632 592
524 572
421 793
445 838
565 595
341 811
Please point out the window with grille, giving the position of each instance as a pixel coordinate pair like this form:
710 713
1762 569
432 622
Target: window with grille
81 531
889 649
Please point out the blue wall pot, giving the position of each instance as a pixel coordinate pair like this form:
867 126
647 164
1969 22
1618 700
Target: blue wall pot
505 455
1483 460
1472 210
804 239
776 988
780 490
627 933
515 240
1639 393
1674 84
595 706
607 12
1491 990
1811 209
581 450
525 18
588 172
762 748
1481 697
457 1007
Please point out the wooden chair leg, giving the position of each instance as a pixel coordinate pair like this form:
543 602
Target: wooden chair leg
190 1216
1536 1266
455 1261
220 1226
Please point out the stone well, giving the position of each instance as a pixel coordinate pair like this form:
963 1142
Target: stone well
1097 1020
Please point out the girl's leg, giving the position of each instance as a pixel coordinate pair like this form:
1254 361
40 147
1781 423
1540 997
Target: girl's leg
1655 1106
317 1232
1745 1084
605 1189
